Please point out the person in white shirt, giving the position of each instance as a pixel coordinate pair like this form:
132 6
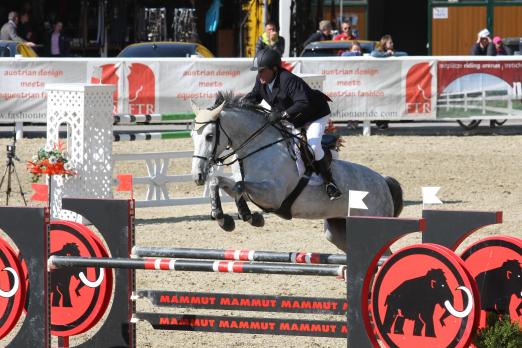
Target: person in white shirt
9 32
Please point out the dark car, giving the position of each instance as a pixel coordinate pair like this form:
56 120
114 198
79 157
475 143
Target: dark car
332 48
165 50
13 48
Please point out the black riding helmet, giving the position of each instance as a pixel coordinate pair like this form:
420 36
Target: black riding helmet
266 58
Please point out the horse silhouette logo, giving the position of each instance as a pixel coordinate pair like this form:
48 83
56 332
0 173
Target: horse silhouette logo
418 89
140 84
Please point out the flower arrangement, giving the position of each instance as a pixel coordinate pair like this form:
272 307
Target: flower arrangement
50 161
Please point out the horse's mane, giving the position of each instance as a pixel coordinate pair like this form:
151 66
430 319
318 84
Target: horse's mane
236 101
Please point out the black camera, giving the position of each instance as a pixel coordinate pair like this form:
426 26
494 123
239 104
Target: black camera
11 151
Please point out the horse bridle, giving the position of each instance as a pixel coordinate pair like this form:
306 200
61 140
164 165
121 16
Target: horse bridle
212 160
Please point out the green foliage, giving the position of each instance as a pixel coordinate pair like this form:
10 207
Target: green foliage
499 333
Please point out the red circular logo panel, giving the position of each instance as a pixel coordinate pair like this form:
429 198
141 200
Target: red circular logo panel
495 264
78 296
12 288
424 297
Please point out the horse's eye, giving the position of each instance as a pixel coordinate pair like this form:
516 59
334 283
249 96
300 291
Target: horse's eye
209 137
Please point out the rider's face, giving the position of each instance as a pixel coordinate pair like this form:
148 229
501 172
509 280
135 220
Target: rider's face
266 75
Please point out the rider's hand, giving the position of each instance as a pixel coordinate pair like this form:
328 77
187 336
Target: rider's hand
276 116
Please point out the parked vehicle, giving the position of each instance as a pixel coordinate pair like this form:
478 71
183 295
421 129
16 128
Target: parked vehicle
13 48
333 48
165 50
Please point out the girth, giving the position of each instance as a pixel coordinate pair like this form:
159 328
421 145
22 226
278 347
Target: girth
285 210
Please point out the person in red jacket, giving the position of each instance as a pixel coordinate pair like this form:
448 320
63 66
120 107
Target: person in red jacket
346 33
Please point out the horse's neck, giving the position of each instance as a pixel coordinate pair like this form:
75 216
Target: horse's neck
241 127
269 160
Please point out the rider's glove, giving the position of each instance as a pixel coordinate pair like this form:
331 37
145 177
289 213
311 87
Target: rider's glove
276 116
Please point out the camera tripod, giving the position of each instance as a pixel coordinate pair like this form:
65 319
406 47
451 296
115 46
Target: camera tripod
10 169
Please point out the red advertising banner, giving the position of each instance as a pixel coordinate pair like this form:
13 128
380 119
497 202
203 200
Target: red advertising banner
479 88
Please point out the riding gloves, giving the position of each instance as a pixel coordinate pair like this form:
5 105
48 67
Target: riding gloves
276 116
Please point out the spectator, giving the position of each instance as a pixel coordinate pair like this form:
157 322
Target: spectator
26 30
346 33
354 51
483 44
324 33
271 39
8 31
57 43
498 48
386 49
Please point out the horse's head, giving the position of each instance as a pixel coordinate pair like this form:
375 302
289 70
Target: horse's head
207 143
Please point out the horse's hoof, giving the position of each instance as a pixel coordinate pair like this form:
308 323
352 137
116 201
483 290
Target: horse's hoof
245 217
227 223
257 220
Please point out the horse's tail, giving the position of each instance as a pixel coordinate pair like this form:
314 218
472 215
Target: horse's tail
396 193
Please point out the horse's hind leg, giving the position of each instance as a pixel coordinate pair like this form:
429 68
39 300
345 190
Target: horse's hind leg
335 232
255 219
225 221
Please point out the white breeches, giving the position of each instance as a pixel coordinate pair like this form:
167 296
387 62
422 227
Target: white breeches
314 134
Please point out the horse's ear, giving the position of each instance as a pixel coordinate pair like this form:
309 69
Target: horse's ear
218 110
205 116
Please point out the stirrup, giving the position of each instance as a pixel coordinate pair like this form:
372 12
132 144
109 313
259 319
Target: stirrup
332 191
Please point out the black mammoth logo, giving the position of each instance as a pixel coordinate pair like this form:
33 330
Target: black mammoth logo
61 278
497 285
415 299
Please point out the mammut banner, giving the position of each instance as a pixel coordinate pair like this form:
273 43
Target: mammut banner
260 303
245 325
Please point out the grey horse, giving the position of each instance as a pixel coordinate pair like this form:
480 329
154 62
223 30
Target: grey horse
269 172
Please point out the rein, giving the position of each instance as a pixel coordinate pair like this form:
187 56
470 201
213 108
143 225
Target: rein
221 160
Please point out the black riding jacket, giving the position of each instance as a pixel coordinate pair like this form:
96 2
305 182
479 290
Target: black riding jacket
291 94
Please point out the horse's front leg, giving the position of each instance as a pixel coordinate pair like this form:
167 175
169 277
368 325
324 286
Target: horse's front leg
255 219
224 221
236 190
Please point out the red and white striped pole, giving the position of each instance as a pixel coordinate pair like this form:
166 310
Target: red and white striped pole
243 255
197 265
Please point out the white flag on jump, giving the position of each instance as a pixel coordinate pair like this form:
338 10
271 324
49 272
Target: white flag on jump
355 199
429 195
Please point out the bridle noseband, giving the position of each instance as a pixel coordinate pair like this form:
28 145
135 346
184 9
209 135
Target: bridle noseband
212 159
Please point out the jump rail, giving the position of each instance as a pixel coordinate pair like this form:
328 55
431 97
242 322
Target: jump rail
196 266
153 118
243 255
151 136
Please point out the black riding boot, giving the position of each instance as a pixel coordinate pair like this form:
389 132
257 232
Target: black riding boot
323 167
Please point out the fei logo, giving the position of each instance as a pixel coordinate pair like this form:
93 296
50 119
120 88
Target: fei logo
139 87
418 89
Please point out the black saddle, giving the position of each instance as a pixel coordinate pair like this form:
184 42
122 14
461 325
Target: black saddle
328 143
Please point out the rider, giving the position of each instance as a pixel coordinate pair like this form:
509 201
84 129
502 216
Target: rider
293 100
